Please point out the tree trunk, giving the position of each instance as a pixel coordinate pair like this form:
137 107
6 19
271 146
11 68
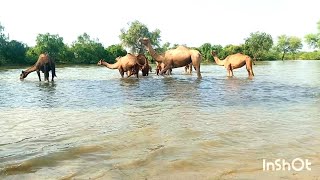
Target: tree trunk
283 55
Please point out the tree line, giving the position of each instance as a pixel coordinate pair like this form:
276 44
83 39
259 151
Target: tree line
85 50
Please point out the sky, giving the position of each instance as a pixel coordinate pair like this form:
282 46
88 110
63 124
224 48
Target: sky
188 22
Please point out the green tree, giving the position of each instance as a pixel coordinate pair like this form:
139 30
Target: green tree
165 47
288 44
313 40
3 44
52 44
11 52
295 44
205 49
258 44
115 51
233 49
130 37
15 52
283 45
87 51
31 55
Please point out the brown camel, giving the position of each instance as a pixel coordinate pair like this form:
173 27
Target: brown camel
174 58
127 63
44 64
233 62
144 64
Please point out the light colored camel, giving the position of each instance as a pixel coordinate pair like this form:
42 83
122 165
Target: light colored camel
174 58
234 61
127 63
45 64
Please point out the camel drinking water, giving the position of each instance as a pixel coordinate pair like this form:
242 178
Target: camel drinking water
44 64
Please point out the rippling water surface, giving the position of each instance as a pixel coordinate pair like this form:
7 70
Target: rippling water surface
91 124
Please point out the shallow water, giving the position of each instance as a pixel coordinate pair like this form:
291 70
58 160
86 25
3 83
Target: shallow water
90 123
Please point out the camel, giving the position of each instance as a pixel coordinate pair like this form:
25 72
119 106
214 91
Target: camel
174 58
234 61
127 63
44 64
145 68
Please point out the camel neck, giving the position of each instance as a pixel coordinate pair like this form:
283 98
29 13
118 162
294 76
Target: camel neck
110 66
154 54
218 61
31 69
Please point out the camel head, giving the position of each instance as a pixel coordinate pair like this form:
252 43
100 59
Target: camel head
100 62
213 53
23 74
145 41
142 59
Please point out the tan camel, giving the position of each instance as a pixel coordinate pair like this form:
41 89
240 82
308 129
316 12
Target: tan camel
44 64
127 63
174 58
234 61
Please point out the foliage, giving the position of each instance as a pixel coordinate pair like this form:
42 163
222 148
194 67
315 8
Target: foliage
313 40
52 44
3 43
86 50
15 52
258 44
113 52
31 55
288 44
295 44
233 49
130 38
205 49
315 55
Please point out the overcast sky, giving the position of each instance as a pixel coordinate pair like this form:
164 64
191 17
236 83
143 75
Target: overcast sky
190 22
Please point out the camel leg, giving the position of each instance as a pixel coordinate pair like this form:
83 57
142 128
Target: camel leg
38 72
229 70
137 70
52 75
129 73
166 68
196 60
249 68
121 72
46 74
197 68
169 71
